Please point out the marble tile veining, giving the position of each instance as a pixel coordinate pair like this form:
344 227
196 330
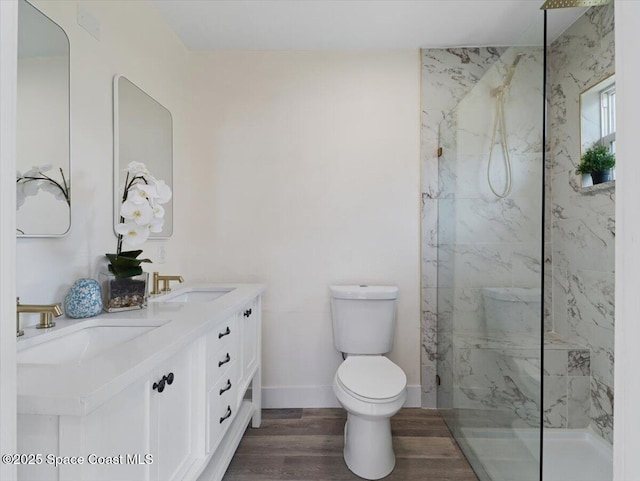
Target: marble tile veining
583 224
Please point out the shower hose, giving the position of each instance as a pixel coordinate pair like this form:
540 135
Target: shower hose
500 123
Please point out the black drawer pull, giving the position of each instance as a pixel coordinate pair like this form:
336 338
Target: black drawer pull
225 333
159 385
226 360
226 388
168 378
247 313
226 416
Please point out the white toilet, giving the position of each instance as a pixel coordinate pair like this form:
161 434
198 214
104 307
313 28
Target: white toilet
368 385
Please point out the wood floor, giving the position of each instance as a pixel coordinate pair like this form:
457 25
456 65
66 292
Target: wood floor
306 445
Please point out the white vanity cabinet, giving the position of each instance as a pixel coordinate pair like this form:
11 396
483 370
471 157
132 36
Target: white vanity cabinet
180 418
146 432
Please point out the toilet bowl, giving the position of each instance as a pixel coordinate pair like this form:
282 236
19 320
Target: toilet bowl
371 388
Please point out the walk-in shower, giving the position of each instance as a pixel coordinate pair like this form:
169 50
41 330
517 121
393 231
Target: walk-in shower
523 304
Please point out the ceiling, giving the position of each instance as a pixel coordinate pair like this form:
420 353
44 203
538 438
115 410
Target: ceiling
358 24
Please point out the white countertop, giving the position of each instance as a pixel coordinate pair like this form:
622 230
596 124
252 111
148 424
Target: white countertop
78 389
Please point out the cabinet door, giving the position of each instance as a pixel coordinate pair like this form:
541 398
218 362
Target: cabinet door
250 318
174 409
120 427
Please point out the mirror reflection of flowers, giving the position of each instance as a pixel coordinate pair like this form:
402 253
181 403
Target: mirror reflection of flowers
35 179
141 213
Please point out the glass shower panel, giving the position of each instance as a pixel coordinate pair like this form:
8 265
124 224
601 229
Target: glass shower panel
490 241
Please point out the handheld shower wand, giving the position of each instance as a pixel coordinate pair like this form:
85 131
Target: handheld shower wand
500 122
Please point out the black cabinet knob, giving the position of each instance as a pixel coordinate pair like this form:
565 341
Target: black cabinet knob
247 313
168 378
226 388
225 333
226 416
224 361
159 386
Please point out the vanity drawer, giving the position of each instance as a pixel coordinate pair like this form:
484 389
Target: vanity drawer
219 364
225 336
221 407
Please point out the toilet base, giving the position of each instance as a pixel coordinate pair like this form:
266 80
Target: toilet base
368 449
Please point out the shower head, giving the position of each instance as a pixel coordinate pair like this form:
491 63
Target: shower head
549 4
512 70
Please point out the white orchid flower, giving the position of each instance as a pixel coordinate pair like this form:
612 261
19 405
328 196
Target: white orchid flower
156 224
158 211
137 168
142 193
132 233
53 189
140 214
36 170
24 190
163 192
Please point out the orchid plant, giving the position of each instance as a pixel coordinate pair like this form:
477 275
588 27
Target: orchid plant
141 213
35 179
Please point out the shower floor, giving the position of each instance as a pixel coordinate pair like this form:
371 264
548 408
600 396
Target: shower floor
511 455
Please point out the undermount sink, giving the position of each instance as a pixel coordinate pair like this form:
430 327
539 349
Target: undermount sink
194 294
80 345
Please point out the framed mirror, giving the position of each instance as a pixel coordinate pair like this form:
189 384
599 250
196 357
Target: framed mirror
43 181
143 132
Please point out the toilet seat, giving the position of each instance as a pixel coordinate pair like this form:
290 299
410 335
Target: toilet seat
372 379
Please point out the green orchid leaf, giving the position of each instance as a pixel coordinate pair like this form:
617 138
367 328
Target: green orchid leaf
120 271
126 263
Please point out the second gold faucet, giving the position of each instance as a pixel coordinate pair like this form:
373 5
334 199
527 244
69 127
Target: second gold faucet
165 283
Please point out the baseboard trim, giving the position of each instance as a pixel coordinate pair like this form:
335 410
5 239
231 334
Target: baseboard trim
287 397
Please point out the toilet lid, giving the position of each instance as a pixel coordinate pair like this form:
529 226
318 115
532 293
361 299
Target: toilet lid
372 377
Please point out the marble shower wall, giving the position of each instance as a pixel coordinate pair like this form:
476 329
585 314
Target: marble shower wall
448 75
482 234
485 241
583 221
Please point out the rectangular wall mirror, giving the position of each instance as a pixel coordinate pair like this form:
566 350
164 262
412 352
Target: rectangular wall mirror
143 132
43 179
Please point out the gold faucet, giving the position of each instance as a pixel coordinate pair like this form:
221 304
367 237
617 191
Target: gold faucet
165 283
47 313
19 332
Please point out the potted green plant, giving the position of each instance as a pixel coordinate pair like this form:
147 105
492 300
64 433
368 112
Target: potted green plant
598 161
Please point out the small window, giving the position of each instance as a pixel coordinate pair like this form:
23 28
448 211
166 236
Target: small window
608 117
598 119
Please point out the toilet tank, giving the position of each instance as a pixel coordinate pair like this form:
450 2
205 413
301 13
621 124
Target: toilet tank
510 310
364 318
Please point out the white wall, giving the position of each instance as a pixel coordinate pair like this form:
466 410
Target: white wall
626 442
308 171
136 42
